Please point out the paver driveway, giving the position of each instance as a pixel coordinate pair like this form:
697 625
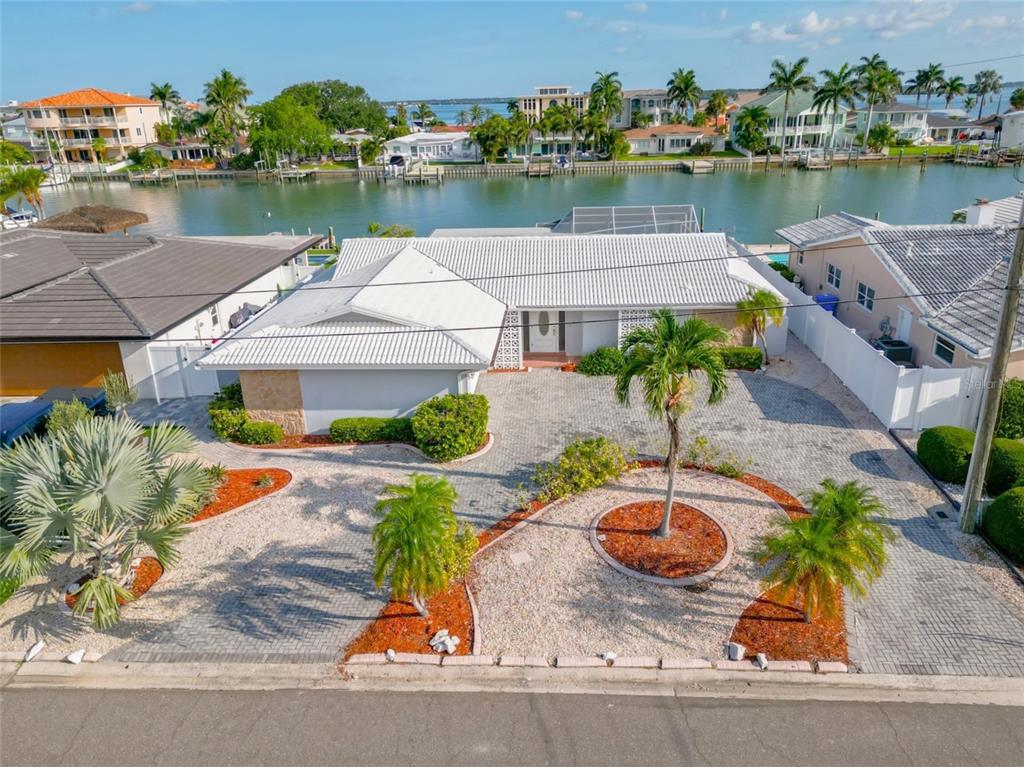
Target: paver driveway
930 613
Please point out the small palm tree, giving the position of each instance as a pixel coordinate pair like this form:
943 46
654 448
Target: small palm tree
751 124
410 540
716 104
462 117
99 147
754 312
664 359
476 114
788 79
27 182
107 487
855 508
683 90
1017 99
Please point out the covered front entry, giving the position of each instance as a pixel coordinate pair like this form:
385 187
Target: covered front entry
544 331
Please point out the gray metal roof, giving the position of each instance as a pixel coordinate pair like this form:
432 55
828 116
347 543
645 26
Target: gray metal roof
628 219
829 228
492 231
59 286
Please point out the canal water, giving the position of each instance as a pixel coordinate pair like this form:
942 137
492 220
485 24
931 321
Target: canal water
747 204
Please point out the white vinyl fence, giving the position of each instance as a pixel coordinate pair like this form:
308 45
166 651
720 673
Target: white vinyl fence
175 374
901 398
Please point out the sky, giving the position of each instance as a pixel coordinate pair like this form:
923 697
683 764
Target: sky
422 50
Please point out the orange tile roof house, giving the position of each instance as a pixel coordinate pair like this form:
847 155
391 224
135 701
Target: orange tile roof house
671 138
76 119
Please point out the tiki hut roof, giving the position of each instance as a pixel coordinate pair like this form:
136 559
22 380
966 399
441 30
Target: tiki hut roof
94 219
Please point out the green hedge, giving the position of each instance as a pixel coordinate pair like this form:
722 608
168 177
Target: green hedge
787 274
603 361
1011 410
1003 522
371 430
449 427
1005 465
260 433
227 412
584 464
742 357
945 451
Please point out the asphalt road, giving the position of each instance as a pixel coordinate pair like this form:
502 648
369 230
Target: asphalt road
185 728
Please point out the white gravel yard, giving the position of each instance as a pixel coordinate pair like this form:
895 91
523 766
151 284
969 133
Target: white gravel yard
542 590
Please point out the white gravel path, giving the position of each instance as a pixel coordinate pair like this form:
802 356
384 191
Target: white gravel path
542 590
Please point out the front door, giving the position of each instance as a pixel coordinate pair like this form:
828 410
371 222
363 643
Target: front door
903 325
543 331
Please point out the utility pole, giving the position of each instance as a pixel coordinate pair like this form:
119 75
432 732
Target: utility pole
993 386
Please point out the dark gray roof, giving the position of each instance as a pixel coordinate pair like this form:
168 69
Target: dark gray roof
942 121
825 229
895 106
58 286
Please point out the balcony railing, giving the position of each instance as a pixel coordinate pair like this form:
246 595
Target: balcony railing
93 120
110 141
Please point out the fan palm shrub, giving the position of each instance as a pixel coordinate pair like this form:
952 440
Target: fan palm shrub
665 359
756 311
419 547
109 489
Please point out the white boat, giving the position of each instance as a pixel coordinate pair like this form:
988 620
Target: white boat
18 219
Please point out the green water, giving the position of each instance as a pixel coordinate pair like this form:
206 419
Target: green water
749 205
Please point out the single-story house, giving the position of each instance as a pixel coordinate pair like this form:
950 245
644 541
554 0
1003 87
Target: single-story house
185 152
398 321
910 121
454 145
670 139
938 288
73 306
945 130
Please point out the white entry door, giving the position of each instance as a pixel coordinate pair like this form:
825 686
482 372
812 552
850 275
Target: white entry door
544 331
903 325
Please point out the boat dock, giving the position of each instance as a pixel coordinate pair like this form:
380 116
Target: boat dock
814 163
421 173
697 167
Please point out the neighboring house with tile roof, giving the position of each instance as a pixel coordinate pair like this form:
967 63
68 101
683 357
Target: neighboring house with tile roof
398 321
938 288
806 126
76 119
73 306
672 138
649 101
1002 212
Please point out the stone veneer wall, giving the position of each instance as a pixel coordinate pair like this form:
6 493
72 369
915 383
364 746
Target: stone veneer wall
274 395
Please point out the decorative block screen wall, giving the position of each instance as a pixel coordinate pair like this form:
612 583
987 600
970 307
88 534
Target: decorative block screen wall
509 355
630 319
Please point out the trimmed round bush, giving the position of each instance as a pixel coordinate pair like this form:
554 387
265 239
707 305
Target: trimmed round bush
741 357
1011 410
371 430
1003 522
1005 465
945 451
260 433
603 361
449 427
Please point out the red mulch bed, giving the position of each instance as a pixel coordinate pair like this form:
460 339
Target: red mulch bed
146 574
789 503
400 628
776 627
695 544
239 488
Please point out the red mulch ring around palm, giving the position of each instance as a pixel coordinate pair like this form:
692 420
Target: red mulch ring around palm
146 574
400 628
695 543
789 503
240 487
776 627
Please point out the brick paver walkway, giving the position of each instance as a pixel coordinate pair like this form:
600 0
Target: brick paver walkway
930 613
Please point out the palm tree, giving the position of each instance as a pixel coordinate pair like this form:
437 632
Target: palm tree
986 82
1017 99
476 114
788 79
951 88
931 77
572 123
27 182
716 104
838 87
664 358
969 103
512 106
225 95
755 312
423 113
606 95
107 487
99 147
683 90
751 124
166 94
915 85
640 119
410 540
879 85
370 149
119 391
462 117
838 545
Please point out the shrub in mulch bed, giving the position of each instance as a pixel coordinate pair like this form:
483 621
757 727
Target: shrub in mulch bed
695 543
146 574
776 627
241 486
402 629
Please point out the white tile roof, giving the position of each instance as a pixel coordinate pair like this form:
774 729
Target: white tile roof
829 228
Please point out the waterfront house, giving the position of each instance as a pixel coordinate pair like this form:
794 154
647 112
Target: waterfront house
807 126
943 129
649 101
908 120
544 96
398 321
905 283
447 146
73 306
672 139
1003 212
76 119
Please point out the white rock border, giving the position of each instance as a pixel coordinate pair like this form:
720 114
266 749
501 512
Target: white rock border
488 444
691 580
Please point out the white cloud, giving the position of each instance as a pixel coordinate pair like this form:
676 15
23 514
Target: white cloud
887 21
139 7
759 33
574 15
636 7
621 49
724 13
995 22
906 17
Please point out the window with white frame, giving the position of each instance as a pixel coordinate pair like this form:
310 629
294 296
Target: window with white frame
865 296
944 350
834 277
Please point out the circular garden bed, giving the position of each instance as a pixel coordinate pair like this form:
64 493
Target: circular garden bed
697 548
147 573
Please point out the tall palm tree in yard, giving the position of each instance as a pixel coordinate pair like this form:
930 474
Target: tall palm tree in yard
788 79
476 114
879 85
931 77
572 122
716 105
986 83
26 182
665 359
423 113
951 88
166 94
683 90
109 489
915 85
838 88
838 545
606 95
462 117
755 312
225 95
410 540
